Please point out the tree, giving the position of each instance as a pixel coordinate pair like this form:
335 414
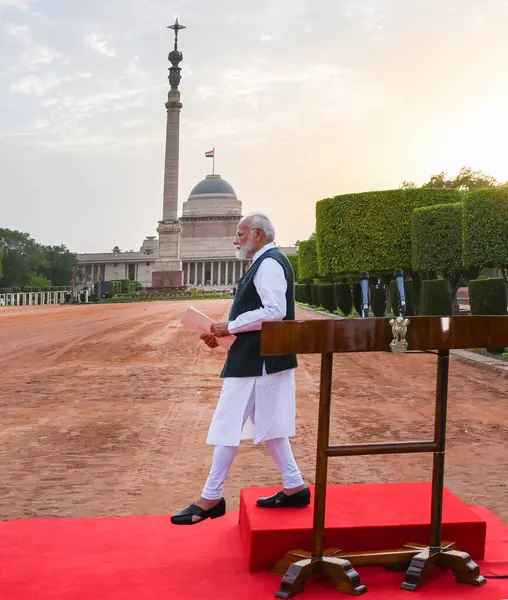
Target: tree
1 259
22 256
58 264
466 180
39 281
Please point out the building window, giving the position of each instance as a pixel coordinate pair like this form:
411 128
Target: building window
147 264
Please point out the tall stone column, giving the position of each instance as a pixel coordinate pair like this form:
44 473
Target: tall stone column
168 271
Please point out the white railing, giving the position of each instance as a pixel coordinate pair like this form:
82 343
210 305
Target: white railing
37 298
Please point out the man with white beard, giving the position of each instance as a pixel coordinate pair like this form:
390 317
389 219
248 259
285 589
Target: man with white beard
256 387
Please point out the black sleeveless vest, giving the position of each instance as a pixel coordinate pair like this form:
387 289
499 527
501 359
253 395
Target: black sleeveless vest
244 357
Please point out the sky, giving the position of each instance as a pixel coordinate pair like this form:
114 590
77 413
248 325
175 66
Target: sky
302 100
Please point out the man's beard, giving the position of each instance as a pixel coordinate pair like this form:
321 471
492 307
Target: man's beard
242 252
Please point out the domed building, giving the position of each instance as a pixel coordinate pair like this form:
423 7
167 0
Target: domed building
209 221
210 217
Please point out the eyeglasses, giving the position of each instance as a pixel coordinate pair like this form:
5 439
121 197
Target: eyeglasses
239 234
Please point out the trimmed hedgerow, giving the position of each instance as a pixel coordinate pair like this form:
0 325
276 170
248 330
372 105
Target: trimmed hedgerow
436 298
293 259
394 297
357 297
344 297
326 296
378 300
485 225
436 237
305 293
488 296
307 260
371 231
315 295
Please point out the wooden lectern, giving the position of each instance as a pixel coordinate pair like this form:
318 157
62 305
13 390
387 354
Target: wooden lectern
424 334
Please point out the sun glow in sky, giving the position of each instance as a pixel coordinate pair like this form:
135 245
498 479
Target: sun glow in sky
302 100
480 140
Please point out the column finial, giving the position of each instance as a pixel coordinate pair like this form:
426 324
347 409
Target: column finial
175 57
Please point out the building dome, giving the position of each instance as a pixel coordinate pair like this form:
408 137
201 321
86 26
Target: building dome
212 197
212 184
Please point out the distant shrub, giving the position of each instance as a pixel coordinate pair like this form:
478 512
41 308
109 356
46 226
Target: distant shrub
378 300
487 296
293 259
436 298
315 296
327 297
305 293
307 260
344 297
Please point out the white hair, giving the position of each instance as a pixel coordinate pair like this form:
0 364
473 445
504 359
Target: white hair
261 221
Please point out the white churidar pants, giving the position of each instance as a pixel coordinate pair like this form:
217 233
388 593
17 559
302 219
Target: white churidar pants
223 456
259 408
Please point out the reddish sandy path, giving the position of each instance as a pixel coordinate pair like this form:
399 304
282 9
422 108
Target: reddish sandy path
105 411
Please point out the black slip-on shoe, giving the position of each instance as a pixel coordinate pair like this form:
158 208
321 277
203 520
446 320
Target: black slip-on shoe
280 499
184 516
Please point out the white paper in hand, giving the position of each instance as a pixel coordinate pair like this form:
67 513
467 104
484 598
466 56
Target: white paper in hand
199 322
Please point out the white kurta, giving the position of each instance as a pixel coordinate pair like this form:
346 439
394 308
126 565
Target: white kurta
266 404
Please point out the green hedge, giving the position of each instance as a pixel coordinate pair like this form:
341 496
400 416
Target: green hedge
307 260
488 296
371 231
486 228
305 293
394 297
344 298
293 259
378 300
315 296
327 297
436 237
357 297
436 298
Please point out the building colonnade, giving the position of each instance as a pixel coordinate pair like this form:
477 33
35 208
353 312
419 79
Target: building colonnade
213 272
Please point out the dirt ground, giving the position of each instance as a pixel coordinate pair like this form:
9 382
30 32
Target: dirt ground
105 409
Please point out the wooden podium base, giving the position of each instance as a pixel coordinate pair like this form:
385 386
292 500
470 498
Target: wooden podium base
340 571
460 564
416 559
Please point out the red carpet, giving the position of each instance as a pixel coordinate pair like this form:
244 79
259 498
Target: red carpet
146 558
358 517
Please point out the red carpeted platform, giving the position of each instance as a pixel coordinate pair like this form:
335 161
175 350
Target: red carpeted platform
134 558
358 517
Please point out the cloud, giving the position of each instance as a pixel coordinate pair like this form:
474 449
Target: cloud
100 43
35 85
15 30
32 55
39 55
23 5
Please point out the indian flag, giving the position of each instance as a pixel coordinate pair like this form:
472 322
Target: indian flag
210 153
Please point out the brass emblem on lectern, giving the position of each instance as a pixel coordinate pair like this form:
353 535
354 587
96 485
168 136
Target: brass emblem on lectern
399 330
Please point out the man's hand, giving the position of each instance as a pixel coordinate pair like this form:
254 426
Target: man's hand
209 339
220 329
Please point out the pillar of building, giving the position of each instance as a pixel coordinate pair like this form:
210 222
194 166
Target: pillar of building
168 266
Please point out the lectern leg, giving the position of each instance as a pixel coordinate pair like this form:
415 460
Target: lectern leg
460 563
340 571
